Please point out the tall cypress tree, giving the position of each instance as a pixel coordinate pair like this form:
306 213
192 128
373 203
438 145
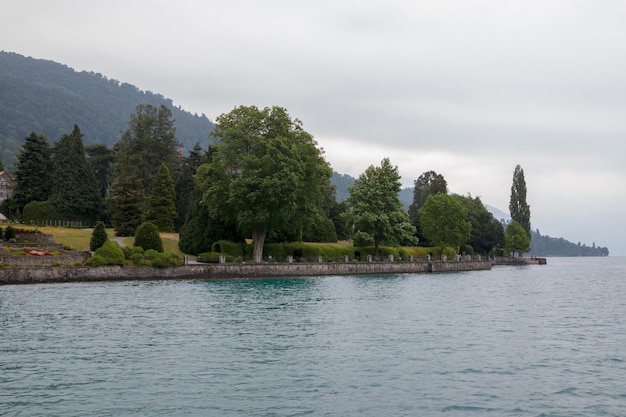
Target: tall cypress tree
162 201
126 203
74 194
33 179
520 210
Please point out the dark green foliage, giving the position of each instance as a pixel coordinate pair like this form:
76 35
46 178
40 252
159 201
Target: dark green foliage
147 237
74 192
33 181
427 184
100 158
126 204
519 208
543 245
111 252
376 212
444 221
267 174
43 96
9 233
98 236
487 232
166 260
162 201
38 212
149 141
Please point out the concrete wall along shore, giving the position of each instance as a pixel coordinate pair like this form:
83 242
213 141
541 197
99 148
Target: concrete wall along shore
238 270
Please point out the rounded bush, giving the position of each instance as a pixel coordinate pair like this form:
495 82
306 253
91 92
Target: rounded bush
147 236
95 260
112 253
98 236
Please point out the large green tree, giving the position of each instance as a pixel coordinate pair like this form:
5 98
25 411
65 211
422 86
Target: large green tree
149 141
427 184
162 201
518 207
376 213
487 232
101 160
33 179
74 193
444 221
267 173
515 239
126 205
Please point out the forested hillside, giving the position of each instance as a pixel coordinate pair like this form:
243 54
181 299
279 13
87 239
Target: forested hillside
49 98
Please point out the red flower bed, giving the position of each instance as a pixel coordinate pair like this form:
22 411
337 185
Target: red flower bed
37 252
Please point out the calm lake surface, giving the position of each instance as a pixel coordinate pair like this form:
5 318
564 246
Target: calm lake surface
514 341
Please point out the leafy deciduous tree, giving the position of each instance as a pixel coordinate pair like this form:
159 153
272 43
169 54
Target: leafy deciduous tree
516 239
444 221
487 232
267 173
427 184
376 213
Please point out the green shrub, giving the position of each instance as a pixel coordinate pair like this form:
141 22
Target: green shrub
166 260
39 211
212 257
233 249
147 236
150 254
98 236
112 253
9 233
96 260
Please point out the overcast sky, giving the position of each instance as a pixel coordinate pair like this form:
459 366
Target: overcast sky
469 89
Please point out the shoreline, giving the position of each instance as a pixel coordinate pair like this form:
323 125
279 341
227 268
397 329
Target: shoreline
58 274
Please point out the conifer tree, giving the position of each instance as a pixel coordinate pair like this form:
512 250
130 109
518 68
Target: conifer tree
74 193
98 236
126 203
162 201
519 209
33 179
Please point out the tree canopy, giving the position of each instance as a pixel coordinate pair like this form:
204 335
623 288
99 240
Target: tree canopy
444 221
519 208
487 232
267 172
376 213
427 184
33 181
515 239
162 201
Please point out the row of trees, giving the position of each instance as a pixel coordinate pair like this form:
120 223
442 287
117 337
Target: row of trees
264 178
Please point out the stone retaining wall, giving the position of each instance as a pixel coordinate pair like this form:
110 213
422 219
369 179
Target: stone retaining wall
116 273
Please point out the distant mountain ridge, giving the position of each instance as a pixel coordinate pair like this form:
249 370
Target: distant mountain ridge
46 97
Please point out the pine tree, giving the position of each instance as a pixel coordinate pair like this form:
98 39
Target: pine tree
519 209
74 193
126 203
162 201
149 141
98 236
33 172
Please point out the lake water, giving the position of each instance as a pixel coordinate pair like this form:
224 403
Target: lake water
514 341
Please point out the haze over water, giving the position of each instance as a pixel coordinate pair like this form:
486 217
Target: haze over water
513 341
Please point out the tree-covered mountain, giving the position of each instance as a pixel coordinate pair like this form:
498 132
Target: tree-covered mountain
46 97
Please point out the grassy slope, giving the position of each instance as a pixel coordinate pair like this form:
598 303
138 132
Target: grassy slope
79 238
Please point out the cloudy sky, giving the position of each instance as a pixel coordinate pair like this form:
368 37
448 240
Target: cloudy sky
469 89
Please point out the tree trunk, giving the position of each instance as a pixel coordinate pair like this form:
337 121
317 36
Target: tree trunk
258 238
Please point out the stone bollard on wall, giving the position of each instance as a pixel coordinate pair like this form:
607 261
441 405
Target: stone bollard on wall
222 259
289 259
319 259
410 258
345 258
390 258
444 258
369 258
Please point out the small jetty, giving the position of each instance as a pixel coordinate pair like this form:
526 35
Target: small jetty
517 261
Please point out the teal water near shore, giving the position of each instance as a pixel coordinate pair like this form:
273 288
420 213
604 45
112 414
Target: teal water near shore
514 341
